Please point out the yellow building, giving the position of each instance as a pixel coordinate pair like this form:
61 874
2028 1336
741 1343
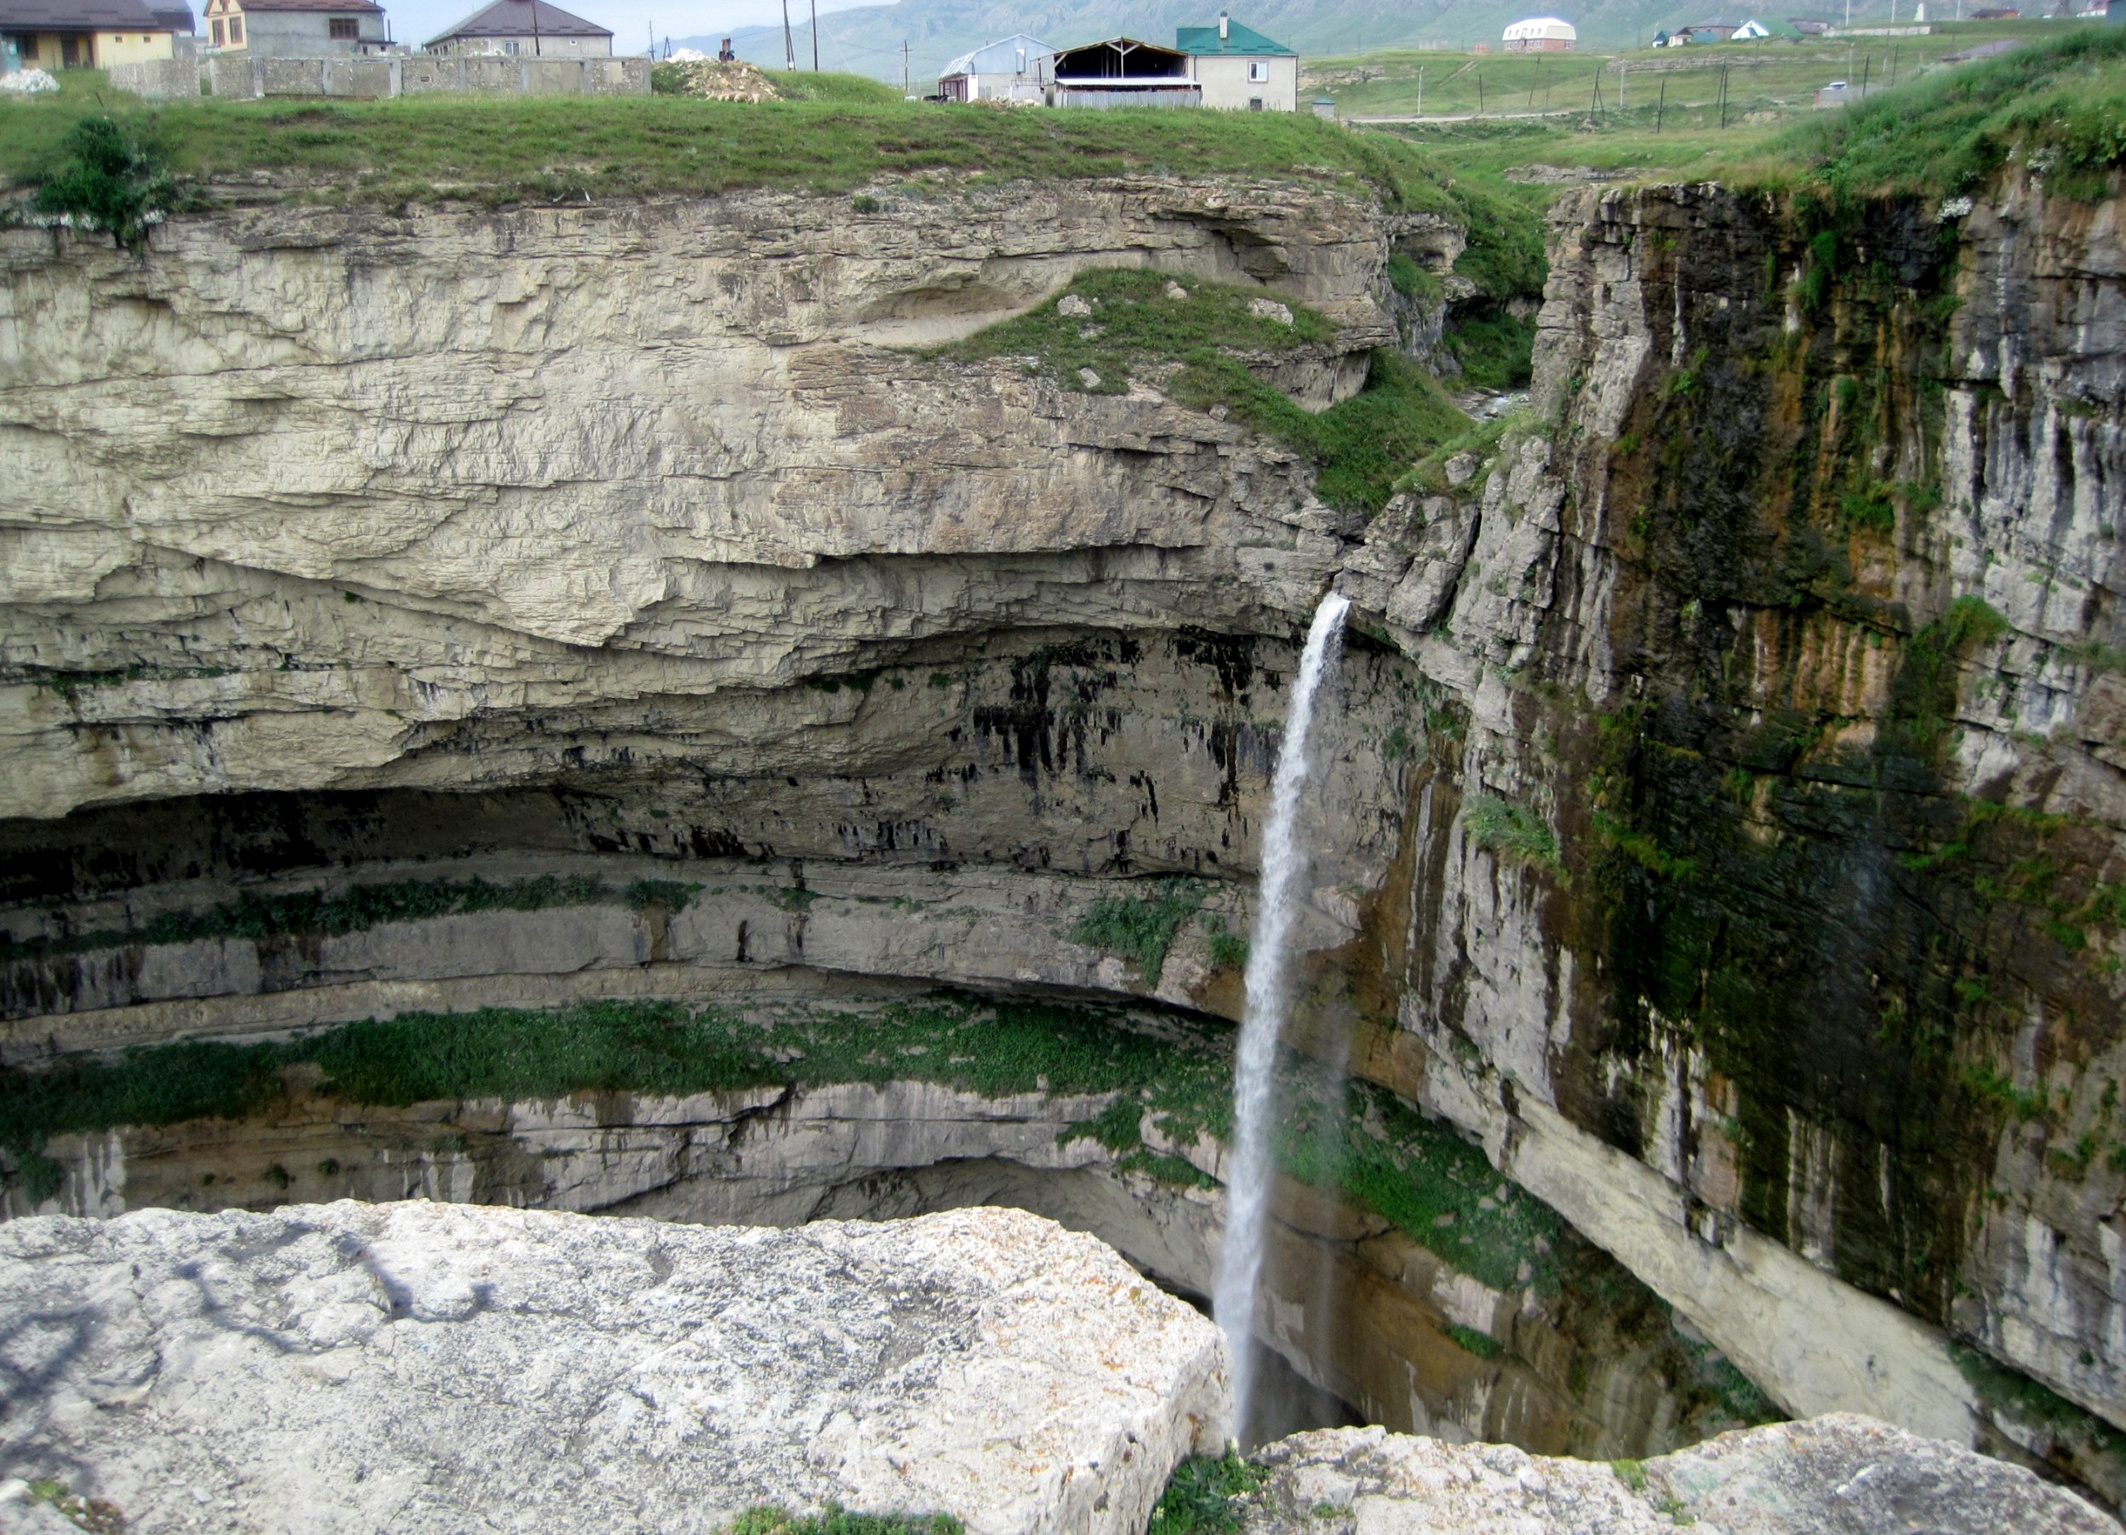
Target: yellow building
90 34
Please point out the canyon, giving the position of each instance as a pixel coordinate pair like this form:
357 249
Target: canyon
1716 858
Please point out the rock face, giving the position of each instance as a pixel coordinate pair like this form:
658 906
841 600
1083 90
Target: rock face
430 1367
1762 912
1835 1475
1723 815
627 465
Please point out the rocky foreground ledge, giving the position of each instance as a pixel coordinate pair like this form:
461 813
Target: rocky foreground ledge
1839 1474
428 1367
420 1367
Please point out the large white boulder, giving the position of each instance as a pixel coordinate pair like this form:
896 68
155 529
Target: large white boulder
428 1367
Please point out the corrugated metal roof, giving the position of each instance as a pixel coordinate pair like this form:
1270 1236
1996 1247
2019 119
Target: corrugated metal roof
514 18
1205 41
76 16
998 57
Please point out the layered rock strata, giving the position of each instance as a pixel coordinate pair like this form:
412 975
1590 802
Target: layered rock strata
426 1367
1722 821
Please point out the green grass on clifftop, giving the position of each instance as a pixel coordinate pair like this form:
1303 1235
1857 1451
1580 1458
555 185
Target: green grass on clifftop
561 148
2058 107
2058 102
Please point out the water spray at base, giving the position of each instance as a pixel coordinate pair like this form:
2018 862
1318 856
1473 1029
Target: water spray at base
1284 867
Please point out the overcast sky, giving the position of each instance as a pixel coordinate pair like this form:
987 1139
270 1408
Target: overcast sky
416 21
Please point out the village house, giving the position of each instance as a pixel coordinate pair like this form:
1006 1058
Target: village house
1541 34
1239 69
1013 68
1227 66
91 34
529 29
296 29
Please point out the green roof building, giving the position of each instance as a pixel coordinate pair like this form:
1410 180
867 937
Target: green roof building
1240 69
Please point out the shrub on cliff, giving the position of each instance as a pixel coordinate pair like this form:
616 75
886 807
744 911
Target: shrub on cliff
112 181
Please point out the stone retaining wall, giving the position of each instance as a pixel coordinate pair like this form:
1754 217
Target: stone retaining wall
244 78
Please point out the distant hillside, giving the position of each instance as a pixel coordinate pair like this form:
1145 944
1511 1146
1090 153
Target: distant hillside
868 39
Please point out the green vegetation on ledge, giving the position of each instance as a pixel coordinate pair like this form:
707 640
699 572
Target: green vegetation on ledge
1141 930
1180 1076
1205 349
1201 1498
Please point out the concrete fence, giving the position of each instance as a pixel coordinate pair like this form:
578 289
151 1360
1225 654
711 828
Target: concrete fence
239 77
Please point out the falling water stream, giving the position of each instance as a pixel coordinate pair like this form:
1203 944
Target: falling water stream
1284 867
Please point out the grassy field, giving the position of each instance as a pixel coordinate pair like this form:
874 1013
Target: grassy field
1762 77
1937 125
551 149
1935 132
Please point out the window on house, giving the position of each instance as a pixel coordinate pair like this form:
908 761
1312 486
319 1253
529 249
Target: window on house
29 48
70 53
217 33
344 29
1258 71
236 29
1254 103
510 49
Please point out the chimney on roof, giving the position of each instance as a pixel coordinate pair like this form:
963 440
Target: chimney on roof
1225 26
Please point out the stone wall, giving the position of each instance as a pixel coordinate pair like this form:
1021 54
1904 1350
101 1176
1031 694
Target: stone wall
242 76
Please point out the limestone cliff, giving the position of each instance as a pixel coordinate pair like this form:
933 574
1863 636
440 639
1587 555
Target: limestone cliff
1724 816
1775 883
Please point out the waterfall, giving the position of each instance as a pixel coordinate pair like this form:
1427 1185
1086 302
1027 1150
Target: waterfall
1284 867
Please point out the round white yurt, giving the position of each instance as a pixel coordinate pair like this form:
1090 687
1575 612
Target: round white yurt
1541 34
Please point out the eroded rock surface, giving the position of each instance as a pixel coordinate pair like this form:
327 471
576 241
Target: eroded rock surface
1836 1475
429 1367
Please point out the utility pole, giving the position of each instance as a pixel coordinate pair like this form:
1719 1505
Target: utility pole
1623 78
815 36
1661 106
1535 79
789 43
1865 64
535 28
904 66
1723 95
1479 95
1420 90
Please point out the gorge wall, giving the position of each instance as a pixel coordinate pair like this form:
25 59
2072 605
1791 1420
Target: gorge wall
1722 823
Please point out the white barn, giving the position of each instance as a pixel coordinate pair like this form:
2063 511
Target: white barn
1542 34
1016 68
